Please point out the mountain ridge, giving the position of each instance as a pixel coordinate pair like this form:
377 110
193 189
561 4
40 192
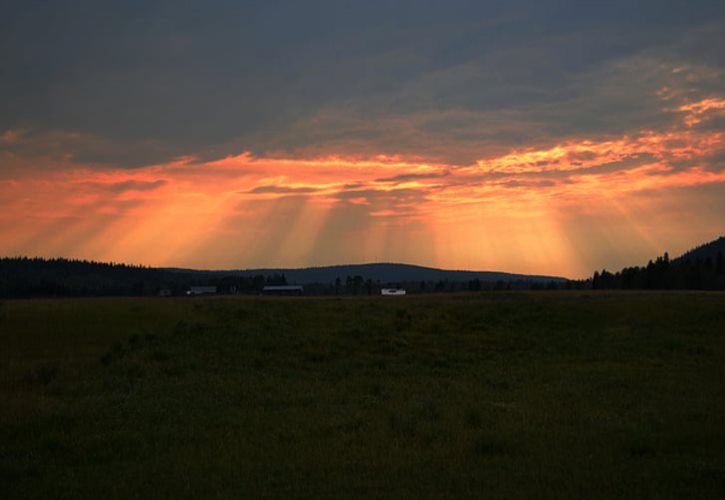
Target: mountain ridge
376 271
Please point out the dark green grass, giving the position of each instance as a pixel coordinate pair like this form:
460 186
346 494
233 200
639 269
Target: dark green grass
493 395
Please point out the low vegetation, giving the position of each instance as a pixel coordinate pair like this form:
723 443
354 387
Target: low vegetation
560 394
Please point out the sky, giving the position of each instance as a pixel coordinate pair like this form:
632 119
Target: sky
528 136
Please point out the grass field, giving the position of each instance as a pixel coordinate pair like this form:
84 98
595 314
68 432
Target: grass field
561 394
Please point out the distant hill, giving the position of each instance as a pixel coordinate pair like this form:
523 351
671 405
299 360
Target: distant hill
703 252
383 272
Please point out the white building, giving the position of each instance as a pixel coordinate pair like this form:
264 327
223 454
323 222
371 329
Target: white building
392 291
201 290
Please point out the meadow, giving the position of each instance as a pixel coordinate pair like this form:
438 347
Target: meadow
491 395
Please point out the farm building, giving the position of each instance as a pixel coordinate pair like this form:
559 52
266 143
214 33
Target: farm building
392 291
201 290
283 290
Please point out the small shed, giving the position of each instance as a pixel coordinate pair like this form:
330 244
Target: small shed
283 290
392 291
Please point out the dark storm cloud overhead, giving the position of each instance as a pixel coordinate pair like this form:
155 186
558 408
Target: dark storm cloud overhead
155 80
88 148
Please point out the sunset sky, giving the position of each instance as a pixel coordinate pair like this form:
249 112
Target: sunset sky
529 136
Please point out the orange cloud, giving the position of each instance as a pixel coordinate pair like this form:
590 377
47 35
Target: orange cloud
697 111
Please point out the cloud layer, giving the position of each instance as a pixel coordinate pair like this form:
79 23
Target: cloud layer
531 137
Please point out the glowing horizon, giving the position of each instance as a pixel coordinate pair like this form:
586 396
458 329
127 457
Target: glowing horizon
520 212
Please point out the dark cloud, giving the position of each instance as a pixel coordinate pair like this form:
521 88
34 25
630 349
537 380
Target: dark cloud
623 165
716 162
395 195
121 187
153 80
712 123
280 189
412 177
527 183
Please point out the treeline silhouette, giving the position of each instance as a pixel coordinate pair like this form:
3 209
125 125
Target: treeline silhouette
358 285
702 268
38 277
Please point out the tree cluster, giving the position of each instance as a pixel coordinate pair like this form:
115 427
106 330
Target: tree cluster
687 273
37 277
